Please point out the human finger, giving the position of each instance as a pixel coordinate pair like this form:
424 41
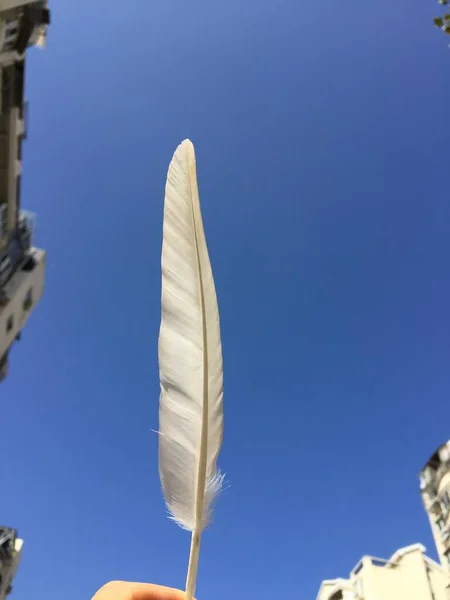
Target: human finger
126 590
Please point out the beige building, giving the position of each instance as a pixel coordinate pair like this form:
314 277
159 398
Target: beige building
23 23
435 490
10 554
408 575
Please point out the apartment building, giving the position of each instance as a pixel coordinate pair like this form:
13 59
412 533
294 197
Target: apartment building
10 554
22 266
408 575
435 491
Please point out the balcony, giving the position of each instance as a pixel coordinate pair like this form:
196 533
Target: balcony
25 29
16 254
27 220
33 23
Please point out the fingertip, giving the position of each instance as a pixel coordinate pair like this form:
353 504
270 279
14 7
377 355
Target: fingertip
150 591
126 590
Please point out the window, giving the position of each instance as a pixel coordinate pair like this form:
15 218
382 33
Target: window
28 301
440 523
18 83
30 264
8 45
3 220
6 90
18 183
445 498
9 323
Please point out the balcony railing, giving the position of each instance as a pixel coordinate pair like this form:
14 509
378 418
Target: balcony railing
17 249
28 219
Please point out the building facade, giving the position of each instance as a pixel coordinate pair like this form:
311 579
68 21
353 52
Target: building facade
22 266
408 575
10 554
435 491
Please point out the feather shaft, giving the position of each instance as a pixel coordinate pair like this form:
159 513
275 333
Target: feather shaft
193 565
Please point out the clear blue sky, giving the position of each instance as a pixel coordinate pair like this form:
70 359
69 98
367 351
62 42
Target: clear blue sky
322 146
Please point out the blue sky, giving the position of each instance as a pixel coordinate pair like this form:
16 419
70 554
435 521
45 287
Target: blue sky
322 148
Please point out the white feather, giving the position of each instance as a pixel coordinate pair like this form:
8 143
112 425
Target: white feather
190 359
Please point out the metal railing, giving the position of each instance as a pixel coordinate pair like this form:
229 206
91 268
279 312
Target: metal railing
28 219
